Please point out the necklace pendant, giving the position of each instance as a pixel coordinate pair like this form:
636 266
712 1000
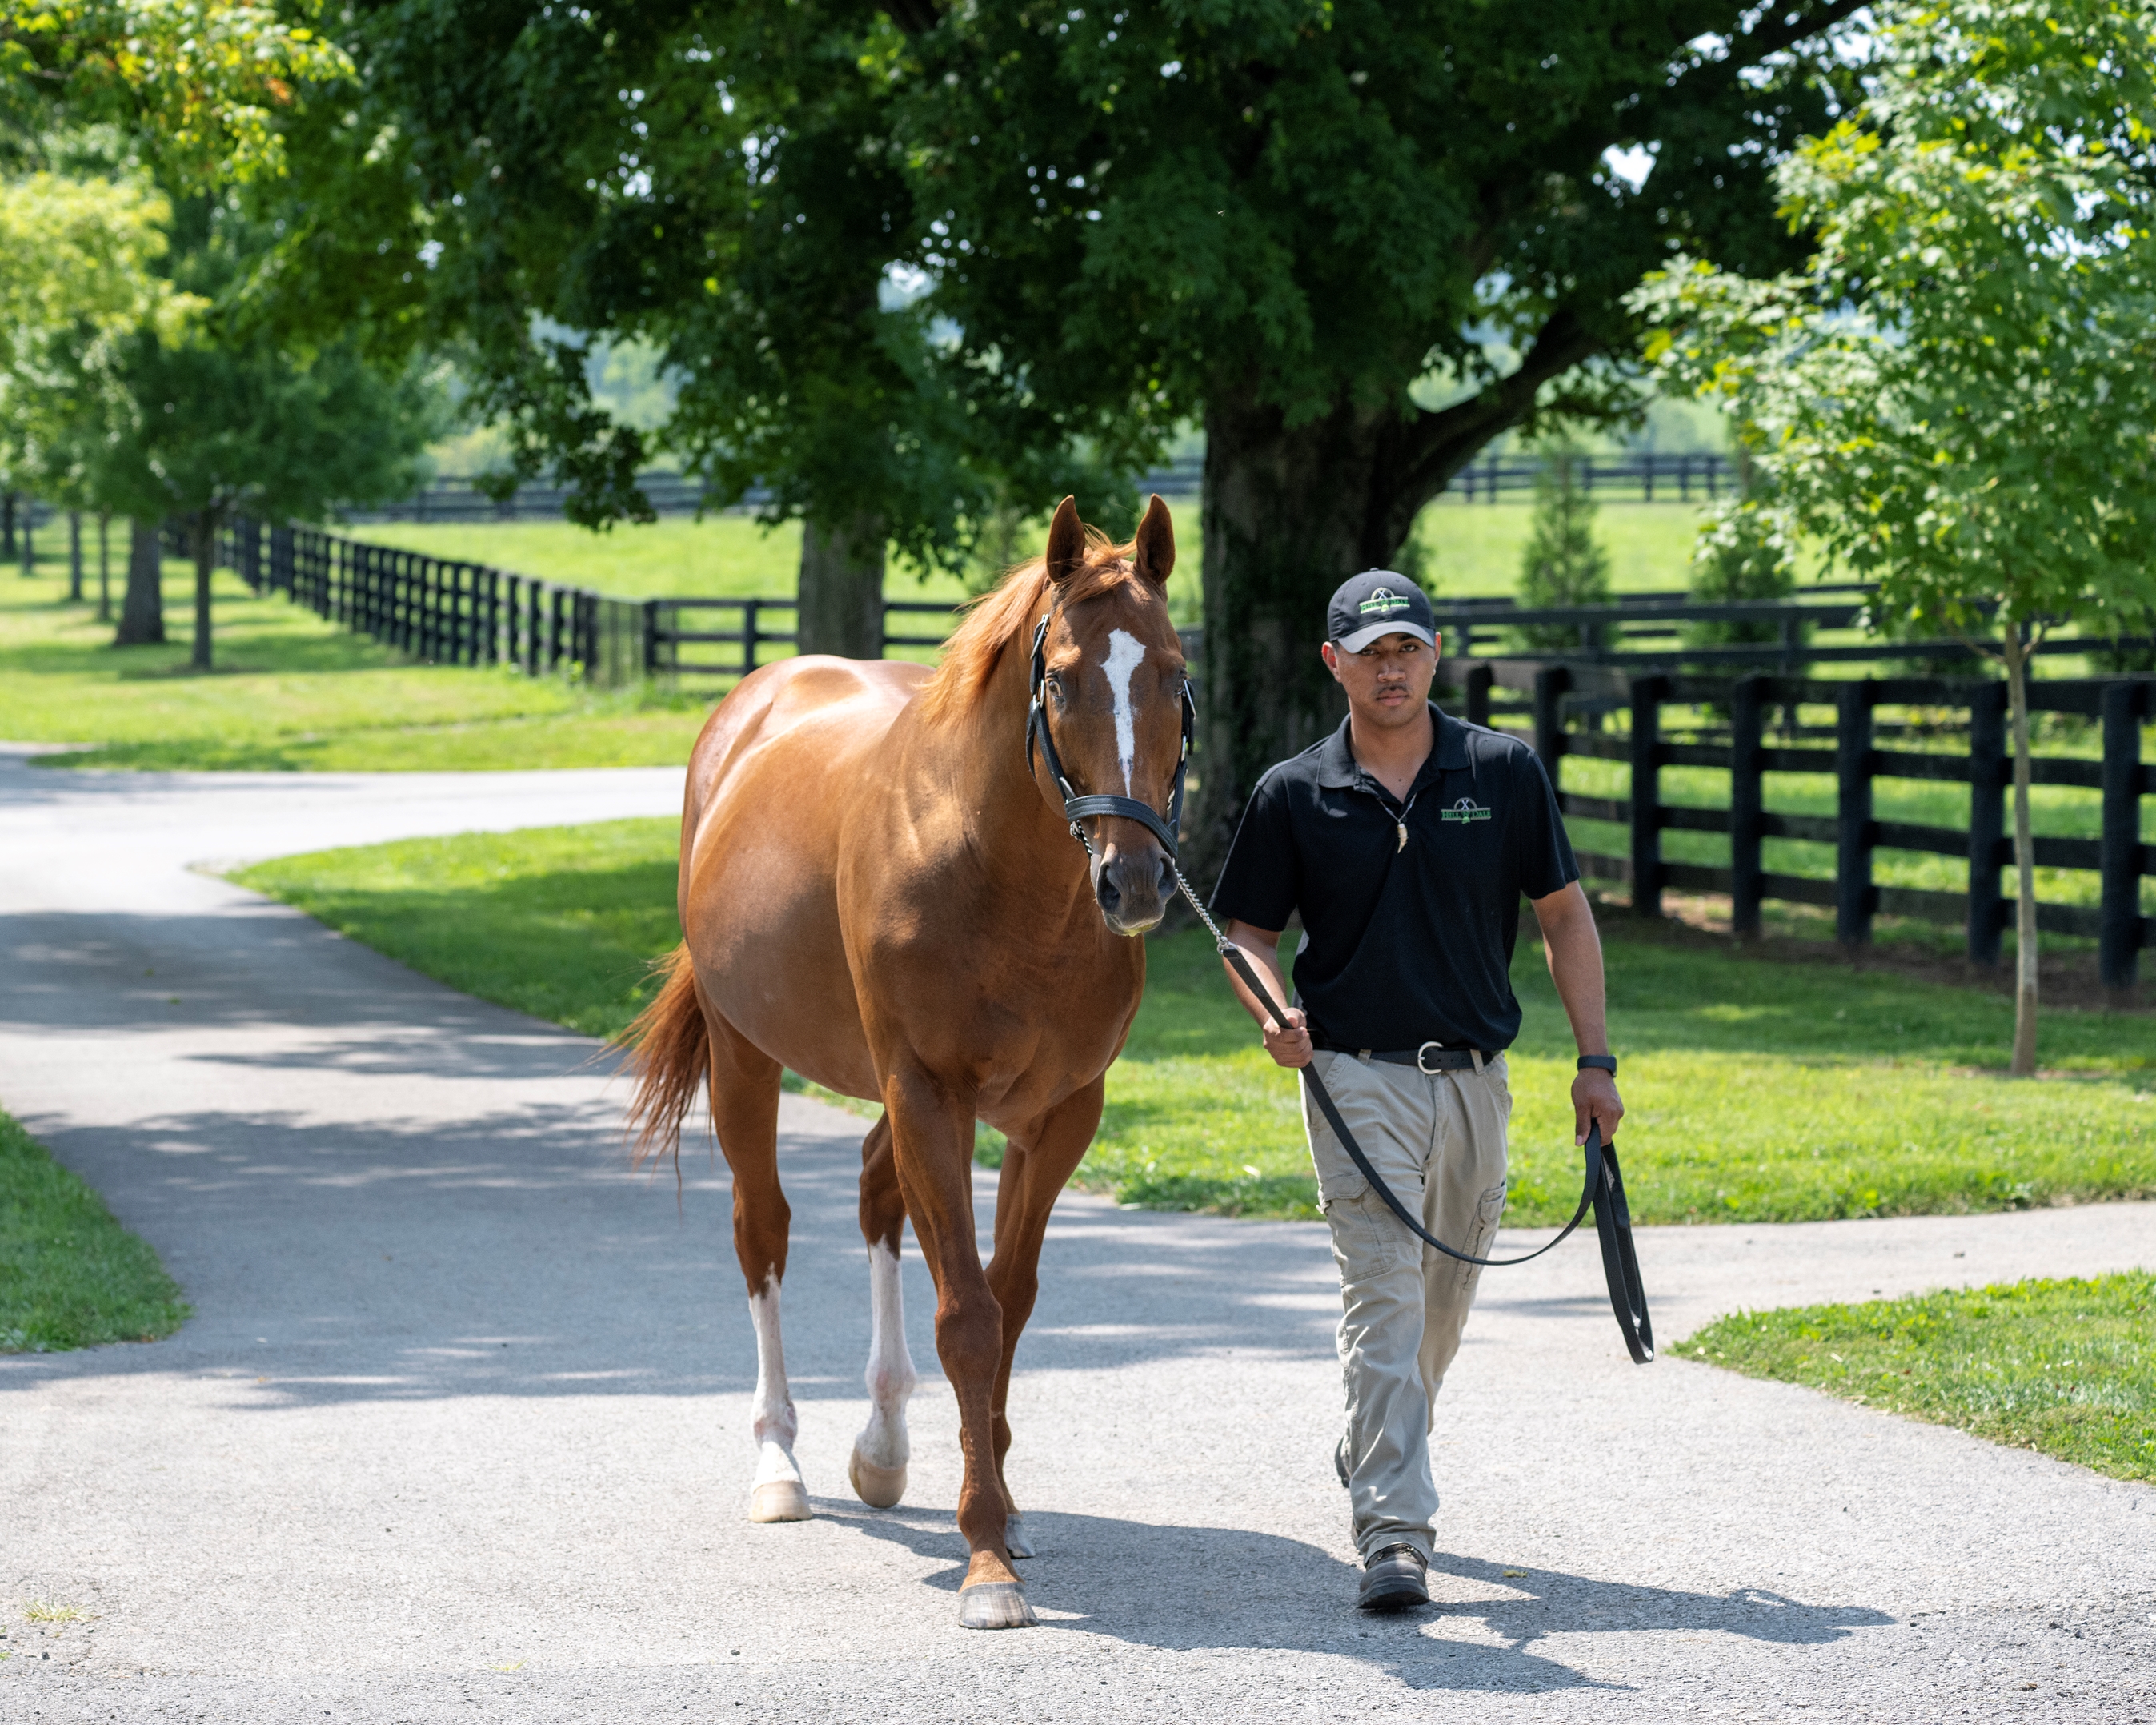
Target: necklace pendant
1403 844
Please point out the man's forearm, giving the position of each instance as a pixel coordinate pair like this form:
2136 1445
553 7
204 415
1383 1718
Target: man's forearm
1264 955
1574 946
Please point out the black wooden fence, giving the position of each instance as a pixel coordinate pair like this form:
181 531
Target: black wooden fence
1566 701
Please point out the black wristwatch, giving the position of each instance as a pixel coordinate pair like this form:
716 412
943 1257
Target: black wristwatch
1601 1063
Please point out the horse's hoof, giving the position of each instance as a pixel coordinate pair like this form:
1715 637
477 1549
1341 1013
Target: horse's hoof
779 1500
878 1487
1016 1541
994 1604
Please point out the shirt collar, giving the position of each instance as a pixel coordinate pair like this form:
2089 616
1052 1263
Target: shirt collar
1337 768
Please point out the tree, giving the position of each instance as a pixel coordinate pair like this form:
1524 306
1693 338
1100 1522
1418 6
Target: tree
1294 220
1563 563
1956 393
1745 551
246 427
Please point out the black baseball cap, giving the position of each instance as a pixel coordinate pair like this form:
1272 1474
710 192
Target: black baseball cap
1376 604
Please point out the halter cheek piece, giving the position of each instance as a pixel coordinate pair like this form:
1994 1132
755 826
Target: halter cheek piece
1076 807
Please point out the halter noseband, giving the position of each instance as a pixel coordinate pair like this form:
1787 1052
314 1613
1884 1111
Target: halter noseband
1076 807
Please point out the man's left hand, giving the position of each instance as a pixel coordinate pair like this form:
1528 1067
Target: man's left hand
1594 1098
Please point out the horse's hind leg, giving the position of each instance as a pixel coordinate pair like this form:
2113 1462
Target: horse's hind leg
878 1467
744 1090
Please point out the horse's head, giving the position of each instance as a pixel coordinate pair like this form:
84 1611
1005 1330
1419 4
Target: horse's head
1111 697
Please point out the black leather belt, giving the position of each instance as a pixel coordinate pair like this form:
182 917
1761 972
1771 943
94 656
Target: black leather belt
1431 1057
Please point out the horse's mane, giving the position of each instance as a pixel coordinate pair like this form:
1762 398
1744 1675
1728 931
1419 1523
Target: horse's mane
1008 610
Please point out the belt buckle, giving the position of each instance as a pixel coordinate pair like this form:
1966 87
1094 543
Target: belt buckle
1427 1071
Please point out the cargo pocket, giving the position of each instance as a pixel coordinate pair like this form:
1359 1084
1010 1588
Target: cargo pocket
1489 1209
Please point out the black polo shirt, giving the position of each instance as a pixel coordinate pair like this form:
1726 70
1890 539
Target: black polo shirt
1409 943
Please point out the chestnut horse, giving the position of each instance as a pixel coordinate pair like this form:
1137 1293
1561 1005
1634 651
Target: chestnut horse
880 890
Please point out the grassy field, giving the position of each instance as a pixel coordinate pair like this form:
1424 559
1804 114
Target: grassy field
70 1276
292 691
2068 1368
1759 1089
1470 550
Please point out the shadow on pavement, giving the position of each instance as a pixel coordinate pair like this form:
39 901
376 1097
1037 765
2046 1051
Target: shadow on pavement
1236 1588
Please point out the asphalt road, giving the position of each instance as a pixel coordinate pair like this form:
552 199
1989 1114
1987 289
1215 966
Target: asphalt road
459 1429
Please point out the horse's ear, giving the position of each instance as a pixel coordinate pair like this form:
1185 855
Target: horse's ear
1066 542
1156 545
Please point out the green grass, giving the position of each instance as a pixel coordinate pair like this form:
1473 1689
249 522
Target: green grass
1472 550
292 691
2068 1368
70 1276
1759 1089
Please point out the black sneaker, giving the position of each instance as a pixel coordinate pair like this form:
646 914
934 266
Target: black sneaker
1396 1579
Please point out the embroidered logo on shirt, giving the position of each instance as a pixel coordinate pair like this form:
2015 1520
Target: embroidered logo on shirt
1466 809
1383 602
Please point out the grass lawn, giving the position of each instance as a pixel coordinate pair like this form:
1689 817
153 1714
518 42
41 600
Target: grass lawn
292 691
1472 550
1759 1089
70 1276
2068 1368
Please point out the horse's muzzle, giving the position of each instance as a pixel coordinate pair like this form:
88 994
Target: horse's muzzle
1133 888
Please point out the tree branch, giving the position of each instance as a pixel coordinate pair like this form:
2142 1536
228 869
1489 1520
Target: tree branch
1437 444
917 17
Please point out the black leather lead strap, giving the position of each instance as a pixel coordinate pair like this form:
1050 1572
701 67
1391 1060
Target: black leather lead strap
1603 1187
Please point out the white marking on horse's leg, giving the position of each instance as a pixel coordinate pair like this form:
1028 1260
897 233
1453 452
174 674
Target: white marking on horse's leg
778 1494
881 1452
1126 653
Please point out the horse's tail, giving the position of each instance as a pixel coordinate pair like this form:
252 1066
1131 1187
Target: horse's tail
670 1057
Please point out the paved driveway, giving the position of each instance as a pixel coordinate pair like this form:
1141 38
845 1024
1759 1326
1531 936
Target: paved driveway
459 1429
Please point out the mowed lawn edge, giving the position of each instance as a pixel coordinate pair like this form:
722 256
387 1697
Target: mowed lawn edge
70 1275
2064 1367
1759 1091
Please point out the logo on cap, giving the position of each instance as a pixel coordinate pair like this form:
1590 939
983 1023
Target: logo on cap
1383 602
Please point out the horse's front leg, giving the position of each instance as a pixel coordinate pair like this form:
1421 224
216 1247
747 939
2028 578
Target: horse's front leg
932 1136
1042 1155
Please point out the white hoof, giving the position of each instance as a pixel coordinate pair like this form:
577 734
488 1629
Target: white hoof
779 1500
1016 1540
994 1604
878 1487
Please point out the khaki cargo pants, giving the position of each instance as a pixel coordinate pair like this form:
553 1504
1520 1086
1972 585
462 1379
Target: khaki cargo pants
1438 1140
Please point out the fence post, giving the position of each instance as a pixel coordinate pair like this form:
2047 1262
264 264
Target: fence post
1551 681
1853 894
1987 819
2119 941
1648 693
651 637
1480 677
748 636
1748 714
1648 473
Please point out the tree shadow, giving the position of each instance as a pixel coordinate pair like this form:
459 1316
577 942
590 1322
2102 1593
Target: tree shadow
1229 1588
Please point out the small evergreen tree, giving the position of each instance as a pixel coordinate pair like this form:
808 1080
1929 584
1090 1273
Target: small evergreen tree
1564 563
1745 551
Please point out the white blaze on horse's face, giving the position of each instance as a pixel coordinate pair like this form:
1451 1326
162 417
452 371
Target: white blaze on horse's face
1126 653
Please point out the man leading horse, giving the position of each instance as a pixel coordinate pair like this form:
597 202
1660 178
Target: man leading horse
1405 841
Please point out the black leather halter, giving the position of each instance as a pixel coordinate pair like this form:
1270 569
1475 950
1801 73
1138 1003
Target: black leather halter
1076 807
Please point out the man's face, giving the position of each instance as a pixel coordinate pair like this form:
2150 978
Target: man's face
1387 682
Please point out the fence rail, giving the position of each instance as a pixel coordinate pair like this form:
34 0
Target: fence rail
1563 699
1654 477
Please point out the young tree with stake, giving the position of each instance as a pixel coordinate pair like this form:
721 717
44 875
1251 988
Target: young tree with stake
1957 394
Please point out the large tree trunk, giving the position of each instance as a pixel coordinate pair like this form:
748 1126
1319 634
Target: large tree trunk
74 557
1288 515
142 607
205 539
841 591
104 566
2025 862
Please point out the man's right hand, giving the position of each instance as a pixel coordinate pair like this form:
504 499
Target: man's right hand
1289 1044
